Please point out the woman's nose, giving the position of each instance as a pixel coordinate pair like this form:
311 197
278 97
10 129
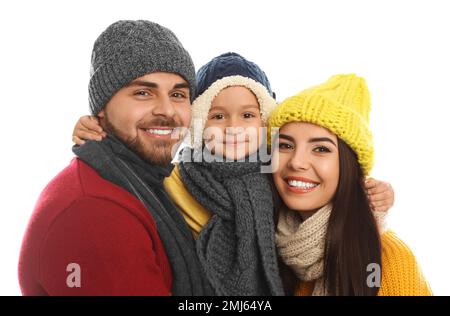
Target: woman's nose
299 161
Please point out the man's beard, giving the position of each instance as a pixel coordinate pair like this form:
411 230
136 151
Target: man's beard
156 152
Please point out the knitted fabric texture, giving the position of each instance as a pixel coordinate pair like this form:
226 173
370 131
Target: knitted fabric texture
228 70
342 105
401 275
237 246
195 214
118 164
301 244
129 49
227 65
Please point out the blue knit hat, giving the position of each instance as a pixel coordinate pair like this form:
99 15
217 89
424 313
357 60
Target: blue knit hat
227 70
230 64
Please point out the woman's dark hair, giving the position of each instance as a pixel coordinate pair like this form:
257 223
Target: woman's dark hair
352 240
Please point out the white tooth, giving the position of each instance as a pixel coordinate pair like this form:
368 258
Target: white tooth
159 132
301 184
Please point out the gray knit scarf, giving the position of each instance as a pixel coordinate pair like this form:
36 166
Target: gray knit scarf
118 164
237 246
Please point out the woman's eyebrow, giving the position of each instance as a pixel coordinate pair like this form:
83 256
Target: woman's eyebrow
287 137
321 139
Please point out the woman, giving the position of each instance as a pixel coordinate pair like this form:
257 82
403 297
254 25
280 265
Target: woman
326 232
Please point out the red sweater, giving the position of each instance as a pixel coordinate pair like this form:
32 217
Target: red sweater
81 218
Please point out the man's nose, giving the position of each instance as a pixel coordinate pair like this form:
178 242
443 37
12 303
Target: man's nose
164 107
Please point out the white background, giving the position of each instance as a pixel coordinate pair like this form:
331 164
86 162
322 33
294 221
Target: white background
400 47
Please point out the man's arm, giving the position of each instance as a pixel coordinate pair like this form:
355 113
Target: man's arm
97 247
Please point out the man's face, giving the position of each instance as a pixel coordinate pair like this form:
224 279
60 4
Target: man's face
148 114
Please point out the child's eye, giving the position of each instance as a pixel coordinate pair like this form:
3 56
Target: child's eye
217 117
285 146
249 115
322 149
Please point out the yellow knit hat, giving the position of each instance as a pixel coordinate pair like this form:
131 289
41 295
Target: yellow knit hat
342 105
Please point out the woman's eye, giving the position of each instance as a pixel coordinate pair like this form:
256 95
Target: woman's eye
284 146
249 115
322 149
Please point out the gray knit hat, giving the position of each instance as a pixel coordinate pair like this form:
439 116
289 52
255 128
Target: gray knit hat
127 50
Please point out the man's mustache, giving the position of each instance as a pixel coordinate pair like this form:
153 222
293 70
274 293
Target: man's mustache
159 123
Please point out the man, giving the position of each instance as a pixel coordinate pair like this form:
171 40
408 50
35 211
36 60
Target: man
104 225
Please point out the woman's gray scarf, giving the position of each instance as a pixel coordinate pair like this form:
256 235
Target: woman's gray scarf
237 246
118 164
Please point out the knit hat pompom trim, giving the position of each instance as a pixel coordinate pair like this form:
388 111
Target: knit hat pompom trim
347 124
202 104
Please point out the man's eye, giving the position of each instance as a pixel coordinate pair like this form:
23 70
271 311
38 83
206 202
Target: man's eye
322 149
285 146
179 95
142 93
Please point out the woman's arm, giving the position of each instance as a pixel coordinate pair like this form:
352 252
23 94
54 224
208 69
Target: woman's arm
401 274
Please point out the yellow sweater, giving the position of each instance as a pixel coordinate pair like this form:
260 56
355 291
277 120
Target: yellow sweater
193 212
400 276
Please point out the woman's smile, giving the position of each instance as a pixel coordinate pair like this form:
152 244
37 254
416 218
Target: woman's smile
300 185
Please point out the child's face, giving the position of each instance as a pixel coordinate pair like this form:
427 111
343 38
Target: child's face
307 173
232 127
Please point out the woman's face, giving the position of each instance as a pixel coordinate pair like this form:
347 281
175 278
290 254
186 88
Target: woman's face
232 127
306 166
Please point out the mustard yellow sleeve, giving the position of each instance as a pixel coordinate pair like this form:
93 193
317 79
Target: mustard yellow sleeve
193 212
401 274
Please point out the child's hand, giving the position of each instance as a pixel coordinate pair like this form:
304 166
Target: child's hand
380 195
87 128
